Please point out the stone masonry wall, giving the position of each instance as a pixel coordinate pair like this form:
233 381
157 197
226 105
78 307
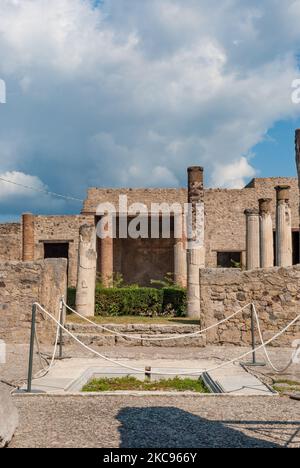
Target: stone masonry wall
60 229
10 242
225 226
22 284
274 291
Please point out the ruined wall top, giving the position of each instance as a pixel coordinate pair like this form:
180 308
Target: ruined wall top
263 187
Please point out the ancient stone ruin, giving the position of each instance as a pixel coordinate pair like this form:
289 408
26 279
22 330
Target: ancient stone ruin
231 232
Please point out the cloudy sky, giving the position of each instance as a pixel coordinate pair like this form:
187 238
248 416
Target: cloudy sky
130 92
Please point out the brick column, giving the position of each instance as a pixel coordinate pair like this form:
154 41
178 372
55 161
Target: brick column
297 148
28 237
196 247
180 259
107 261
266 233
87 267
284 248
252 239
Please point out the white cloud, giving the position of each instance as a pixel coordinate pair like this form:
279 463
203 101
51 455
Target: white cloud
16 187
233 175
134 92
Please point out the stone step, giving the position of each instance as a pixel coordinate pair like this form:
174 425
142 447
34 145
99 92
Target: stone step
91 335
145 329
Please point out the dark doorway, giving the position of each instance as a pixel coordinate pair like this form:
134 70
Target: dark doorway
296 248
229 259
56 250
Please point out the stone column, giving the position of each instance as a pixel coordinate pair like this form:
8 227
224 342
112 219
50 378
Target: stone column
195 234
297 147
266 233
252 239
107 261
284 246
28 237
180 260
87 267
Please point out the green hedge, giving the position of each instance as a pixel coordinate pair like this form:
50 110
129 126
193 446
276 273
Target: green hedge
148 302
71 301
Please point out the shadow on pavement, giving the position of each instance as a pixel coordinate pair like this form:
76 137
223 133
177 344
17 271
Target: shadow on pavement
170 427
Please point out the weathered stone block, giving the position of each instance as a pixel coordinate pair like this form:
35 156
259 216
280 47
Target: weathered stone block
8 418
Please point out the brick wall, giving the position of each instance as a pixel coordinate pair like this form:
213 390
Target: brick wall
22 284
274 291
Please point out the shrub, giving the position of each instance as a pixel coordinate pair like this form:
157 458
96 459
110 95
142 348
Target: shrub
140 301
175 301
71 298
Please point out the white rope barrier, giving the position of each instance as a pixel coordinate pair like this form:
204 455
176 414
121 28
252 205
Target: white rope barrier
43 372
155 337
276 369
194 373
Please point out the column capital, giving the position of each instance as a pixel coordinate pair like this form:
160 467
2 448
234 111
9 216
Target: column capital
265 205
251 212
283 192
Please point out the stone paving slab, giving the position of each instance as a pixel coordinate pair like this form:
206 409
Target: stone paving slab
70 375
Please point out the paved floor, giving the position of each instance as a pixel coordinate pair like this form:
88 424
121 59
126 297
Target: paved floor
70 375
156 421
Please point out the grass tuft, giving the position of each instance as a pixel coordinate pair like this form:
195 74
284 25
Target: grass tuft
131 383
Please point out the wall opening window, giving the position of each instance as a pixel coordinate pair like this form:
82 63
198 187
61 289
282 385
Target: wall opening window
229 259
56 250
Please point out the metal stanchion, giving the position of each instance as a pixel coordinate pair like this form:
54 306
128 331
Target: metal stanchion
148 372
61 321
254 362
31 351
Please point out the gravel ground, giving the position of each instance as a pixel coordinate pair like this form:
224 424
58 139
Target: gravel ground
154 422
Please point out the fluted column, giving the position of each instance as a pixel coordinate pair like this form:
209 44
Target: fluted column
27 237
196 247
180 259
297 148
266 233
87 267
284 246
252 239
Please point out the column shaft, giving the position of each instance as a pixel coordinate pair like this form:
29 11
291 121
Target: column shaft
252 239
180 264
87 267
266 234
107 262
284 247
27 237
297 148
196 246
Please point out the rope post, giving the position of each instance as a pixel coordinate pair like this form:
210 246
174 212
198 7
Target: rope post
148 371
61 321
254 362
31 350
